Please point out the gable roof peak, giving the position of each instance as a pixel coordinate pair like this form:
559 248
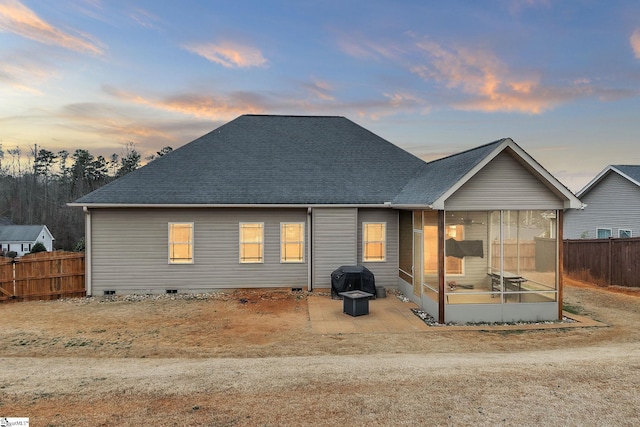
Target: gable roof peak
629 172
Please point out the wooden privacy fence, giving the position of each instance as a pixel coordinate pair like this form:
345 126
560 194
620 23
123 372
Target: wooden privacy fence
42 276
612 261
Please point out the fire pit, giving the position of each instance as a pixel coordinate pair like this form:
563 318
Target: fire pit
355 303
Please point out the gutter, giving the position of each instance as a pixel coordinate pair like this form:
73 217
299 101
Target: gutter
210 205
87 251
309 251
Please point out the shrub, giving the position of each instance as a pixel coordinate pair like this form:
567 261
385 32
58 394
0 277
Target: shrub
12 254
79 246
38 247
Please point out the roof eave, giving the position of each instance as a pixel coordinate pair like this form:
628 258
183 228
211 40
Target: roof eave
228 205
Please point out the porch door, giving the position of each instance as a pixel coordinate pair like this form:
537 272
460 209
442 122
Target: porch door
418 269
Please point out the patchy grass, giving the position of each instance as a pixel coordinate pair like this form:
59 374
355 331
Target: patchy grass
574 309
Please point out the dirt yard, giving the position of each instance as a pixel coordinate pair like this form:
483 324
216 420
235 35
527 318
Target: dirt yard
249 359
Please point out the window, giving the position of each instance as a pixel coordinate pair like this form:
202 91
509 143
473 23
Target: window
603 233
624 233
180 243
251 242
292 242
374 241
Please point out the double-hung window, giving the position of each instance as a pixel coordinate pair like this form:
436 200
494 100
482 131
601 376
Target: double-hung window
625 234
374 241
251 242
180 243
292 242
603 233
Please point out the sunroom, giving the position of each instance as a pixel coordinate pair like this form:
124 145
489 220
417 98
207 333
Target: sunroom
485 246
486 266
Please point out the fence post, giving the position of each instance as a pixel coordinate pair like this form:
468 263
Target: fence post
13 267
610 261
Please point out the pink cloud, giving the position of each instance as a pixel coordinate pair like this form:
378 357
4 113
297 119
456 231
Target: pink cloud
321 89
229 54
199 106
487 83
18 19
635 43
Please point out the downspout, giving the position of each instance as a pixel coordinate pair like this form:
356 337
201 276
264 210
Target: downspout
309 251
560 259
87 251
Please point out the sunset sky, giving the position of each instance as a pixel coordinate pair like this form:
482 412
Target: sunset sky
562 78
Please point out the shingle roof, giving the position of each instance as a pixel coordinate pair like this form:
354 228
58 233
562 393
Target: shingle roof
436 177
298 160
258 159
632 171
20 233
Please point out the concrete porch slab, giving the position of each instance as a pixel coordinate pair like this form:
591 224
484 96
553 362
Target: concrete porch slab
385 315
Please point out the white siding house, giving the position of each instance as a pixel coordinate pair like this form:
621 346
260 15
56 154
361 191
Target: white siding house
21 238
612 206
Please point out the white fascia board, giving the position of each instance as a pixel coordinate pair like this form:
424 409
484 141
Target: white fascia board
595 180
188 205
601 176
624 175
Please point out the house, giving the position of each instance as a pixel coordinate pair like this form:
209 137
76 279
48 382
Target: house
21 238
612 208
282 201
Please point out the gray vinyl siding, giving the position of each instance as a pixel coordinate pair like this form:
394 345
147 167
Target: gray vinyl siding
130 251
385 273
612 203
503 184
334 242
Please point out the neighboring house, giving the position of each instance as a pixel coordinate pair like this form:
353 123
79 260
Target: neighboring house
282 201
21 238
612 208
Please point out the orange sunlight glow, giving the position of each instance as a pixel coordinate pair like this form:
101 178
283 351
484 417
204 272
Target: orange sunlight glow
635 43
483 76
18 19
198 106
229 54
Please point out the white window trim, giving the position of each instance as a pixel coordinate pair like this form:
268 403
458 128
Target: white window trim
193 238
240 243
364 226
599 228
304 246
627 230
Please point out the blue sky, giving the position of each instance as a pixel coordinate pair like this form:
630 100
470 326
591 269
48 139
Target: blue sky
562 78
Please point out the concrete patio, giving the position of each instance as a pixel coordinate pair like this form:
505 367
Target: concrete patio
386 315
392 315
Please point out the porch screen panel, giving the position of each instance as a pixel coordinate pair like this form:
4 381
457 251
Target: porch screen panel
468 240
532 252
